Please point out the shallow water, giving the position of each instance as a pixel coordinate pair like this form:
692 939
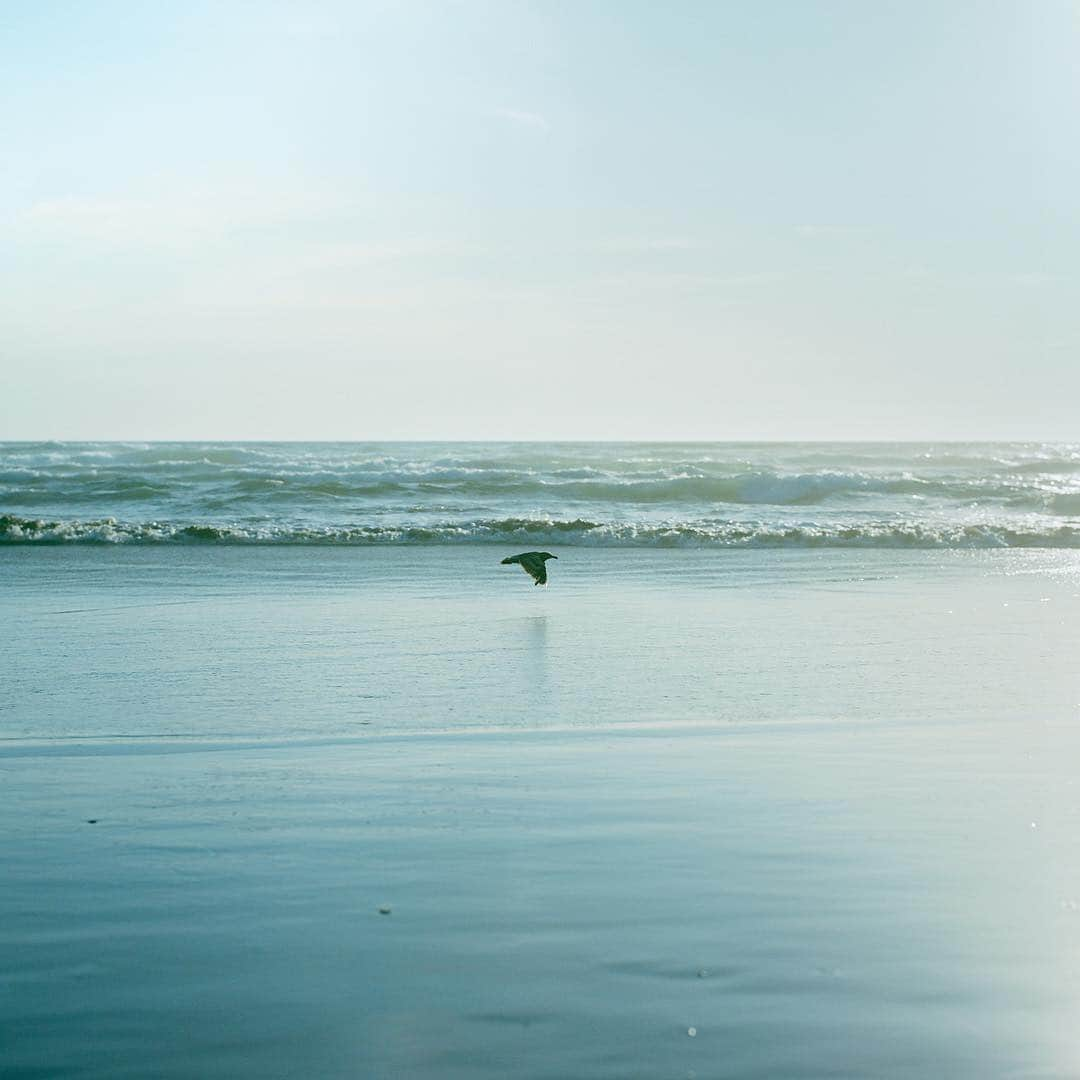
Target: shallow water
294 643
819 806
812 901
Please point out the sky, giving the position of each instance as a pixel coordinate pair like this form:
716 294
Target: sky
565 219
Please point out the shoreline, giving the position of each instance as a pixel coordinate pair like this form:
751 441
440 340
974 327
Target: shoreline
842 787
119 745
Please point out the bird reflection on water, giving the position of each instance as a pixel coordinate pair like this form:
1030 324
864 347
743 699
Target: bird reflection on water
535 637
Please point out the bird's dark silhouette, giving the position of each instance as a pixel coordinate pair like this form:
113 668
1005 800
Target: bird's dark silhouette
533 563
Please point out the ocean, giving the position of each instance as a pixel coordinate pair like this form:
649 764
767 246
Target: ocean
775 778
604 494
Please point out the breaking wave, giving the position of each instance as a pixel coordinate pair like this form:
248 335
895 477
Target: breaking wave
911 535
615 494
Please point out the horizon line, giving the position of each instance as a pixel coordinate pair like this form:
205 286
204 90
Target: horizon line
545 441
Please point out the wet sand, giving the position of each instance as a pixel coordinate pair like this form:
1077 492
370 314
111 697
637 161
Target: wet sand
809 901
863 865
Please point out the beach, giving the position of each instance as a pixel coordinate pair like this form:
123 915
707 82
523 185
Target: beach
539 541
393 811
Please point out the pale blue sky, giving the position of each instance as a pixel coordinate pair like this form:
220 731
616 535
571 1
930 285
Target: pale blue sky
540 220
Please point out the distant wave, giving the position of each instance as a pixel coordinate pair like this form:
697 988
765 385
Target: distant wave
680 484
617 494
17 530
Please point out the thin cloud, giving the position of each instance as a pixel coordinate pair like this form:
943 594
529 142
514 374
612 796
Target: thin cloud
521 116
632 245
167 220
815 231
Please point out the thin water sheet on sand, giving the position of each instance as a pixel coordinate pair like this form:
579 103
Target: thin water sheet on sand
286 643
783 901
819 809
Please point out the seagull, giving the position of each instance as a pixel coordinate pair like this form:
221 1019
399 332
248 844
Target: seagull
532 562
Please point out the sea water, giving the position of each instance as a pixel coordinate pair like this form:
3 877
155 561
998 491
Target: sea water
294 590
291 590
210 642
606 494
776 777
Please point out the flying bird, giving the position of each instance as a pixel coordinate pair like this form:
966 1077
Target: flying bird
532 562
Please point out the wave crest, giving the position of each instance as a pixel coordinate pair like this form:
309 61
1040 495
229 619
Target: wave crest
16 530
